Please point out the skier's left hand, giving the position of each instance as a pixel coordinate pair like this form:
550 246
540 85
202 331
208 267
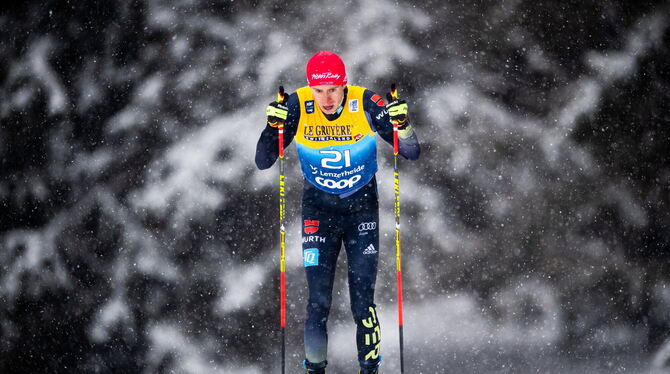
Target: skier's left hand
397 108
399 113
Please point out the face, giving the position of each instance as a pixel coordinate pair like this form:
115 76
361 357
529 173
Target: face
328 97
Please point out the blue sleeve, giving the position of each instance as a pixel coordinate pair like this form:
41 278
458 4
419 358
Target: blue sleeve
375 108
267 148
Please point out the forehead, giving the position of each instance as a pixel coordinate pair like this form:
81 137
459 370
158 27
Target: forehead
326 87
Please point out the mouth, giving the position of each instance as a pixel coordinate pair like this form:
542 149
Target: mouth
328 108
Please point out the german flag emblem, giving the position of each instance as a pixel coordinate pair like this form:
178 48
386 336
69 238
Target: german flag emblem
311 226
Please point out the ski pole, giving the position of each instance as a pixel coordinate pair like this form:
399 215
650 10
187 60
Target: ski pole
398 258
282 242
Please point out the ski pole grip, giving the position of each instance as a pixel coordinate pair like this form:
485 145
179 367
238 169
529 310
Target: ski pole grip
281 98
394 92
394 96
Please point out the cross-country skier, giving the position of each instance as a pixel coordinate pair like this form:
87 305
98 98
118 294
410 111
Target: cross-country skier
334 125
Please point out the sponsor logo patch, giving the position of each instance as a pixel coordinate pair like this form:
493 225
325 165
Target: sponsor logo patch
310 257
381 114
309 106
364 227
326 75
341 184
328 138
314 239
370 250
321 133
353 106
311 226
367 226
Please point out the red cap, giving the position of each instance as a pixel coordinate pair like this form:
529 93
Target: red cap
326 68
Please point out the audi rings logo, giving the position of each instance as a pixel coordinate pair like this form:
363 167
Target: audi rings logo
341 184
366 226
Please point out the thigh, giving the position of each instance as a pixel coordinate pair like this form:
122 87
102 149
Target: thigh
321 242
361 239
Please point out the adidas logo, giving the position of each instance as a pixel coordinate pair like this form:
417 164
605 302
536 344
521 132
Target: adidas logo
370 250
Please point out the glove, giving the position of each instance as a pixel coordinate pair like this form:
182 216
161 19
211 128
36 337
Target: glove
277 111
398 113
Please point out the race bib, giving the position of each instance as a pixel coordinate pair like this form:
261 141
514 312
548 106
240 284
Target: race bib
338 156
339 169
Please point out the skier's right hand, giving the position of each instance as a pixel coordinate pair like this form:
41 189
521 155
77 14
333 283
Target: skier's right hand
277 111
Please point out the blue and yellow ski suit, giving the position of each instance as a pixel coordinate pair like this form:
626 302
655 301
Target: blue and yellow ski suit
338 157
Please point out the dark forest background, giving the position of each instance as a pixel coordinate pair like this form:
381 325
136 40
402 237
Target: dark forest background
136 234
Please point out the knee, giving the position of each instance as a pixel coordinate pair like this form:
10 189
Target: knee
361 305
319 306
366 316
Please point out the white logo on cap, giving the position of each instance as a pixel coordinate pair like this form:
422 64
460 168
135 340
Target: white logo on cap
326 75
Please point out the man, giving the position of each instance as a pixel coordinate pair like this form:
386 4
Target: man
334 125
